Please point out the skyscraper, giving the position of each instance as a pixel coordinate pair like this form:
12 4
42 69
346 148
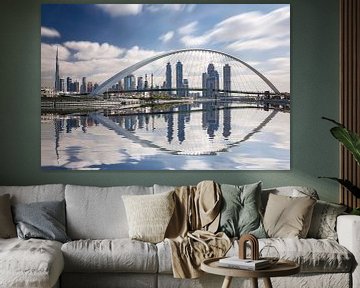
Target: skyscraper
83 85
204 77
227 79
179 79
129 82
69 85
62 85
210 82
186 87
57 72
168 77
89 87
121 87
146 83
140 83
76 86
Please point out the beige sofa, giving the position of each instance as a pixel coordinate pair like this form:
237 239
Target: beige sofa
101 254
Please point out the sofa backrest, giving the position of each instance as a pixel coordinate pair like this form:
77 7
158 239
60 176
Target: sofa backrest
35 193
98 212
162 188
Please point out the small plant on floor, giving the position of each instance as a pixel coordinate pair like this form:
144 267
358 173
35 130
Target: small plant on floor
351 141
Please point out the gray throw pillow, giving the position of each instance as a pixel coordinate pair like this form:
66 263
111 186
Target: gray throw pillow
7 226
323 222
44 220
240 213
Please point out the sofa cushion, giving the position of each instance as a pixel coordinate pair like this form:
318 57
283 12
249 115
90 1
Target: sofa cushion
313 255
116 255
43 220
7 226
98 213
240 210
291 191
287 216
30 263
34 193
323 222
149 215
164 257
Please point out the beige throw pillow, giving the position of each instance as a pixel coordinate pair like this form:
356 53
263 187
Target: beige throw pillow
148 215
7 226
288 217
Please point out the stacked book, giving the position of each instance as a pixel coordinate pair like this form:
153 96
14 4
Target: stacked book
248 264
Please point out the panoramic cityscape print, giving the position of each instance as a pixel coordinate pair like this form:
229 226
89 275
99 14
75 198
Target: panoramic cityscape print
165 86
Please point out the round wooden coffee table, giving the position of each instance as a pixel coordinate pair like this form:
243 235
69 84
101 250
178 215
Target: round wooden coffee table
281 268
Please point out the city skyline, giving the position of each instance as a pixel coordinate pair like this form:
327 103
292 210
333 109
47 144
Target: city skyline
97 57
210 82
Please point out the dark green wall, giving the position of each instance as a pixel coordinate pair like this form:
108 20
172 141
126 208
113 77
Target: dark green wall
314 80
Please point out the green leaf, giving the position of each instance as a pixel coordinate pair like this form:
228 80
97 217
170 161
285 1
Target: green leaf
355 211
347 184
333 121
349 139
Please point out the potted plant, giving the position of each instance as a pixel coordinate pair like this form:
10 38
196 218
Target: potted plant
351 141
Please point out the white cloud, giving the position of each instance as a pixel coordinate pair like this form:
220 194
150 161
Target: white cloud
188 29
116 10
48 54
96 61
167 36
86 50
169 7
245 27
265 43
277 70
135 53
280 61
190 7
49 51
191 41
49 32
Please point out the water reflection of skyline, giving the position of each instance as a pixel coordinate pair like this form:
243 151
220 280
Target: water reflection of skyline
210 121
183 130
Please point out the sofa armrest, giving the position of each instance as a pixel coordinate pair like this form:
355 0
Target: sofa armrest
348 230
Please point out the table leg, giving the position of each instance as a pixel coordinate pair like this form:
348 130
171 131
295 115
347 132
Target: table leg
254 282
227 282
267 283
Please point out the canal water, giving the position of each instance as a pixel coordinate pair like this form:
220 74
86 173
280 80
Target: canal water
200 136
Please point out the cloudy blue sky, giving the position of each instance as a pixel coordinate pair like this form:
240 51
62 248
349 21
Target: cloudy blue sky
98 41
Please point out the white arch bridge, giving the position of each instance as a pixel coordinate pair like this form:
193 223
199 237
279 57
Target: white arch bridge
152 74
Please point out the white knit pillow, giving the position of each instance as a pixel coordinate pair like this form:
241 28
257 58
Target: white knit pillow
149 215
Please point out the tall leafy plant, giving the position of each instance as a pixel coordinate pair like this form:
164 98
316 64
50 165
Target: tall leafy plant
351 141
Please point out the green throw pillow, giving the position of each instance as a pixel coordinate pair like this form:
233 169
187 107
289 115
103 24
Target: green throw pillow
240 213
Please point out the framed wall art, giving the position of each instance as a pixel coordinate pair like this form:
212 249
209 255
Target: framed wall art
165 86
